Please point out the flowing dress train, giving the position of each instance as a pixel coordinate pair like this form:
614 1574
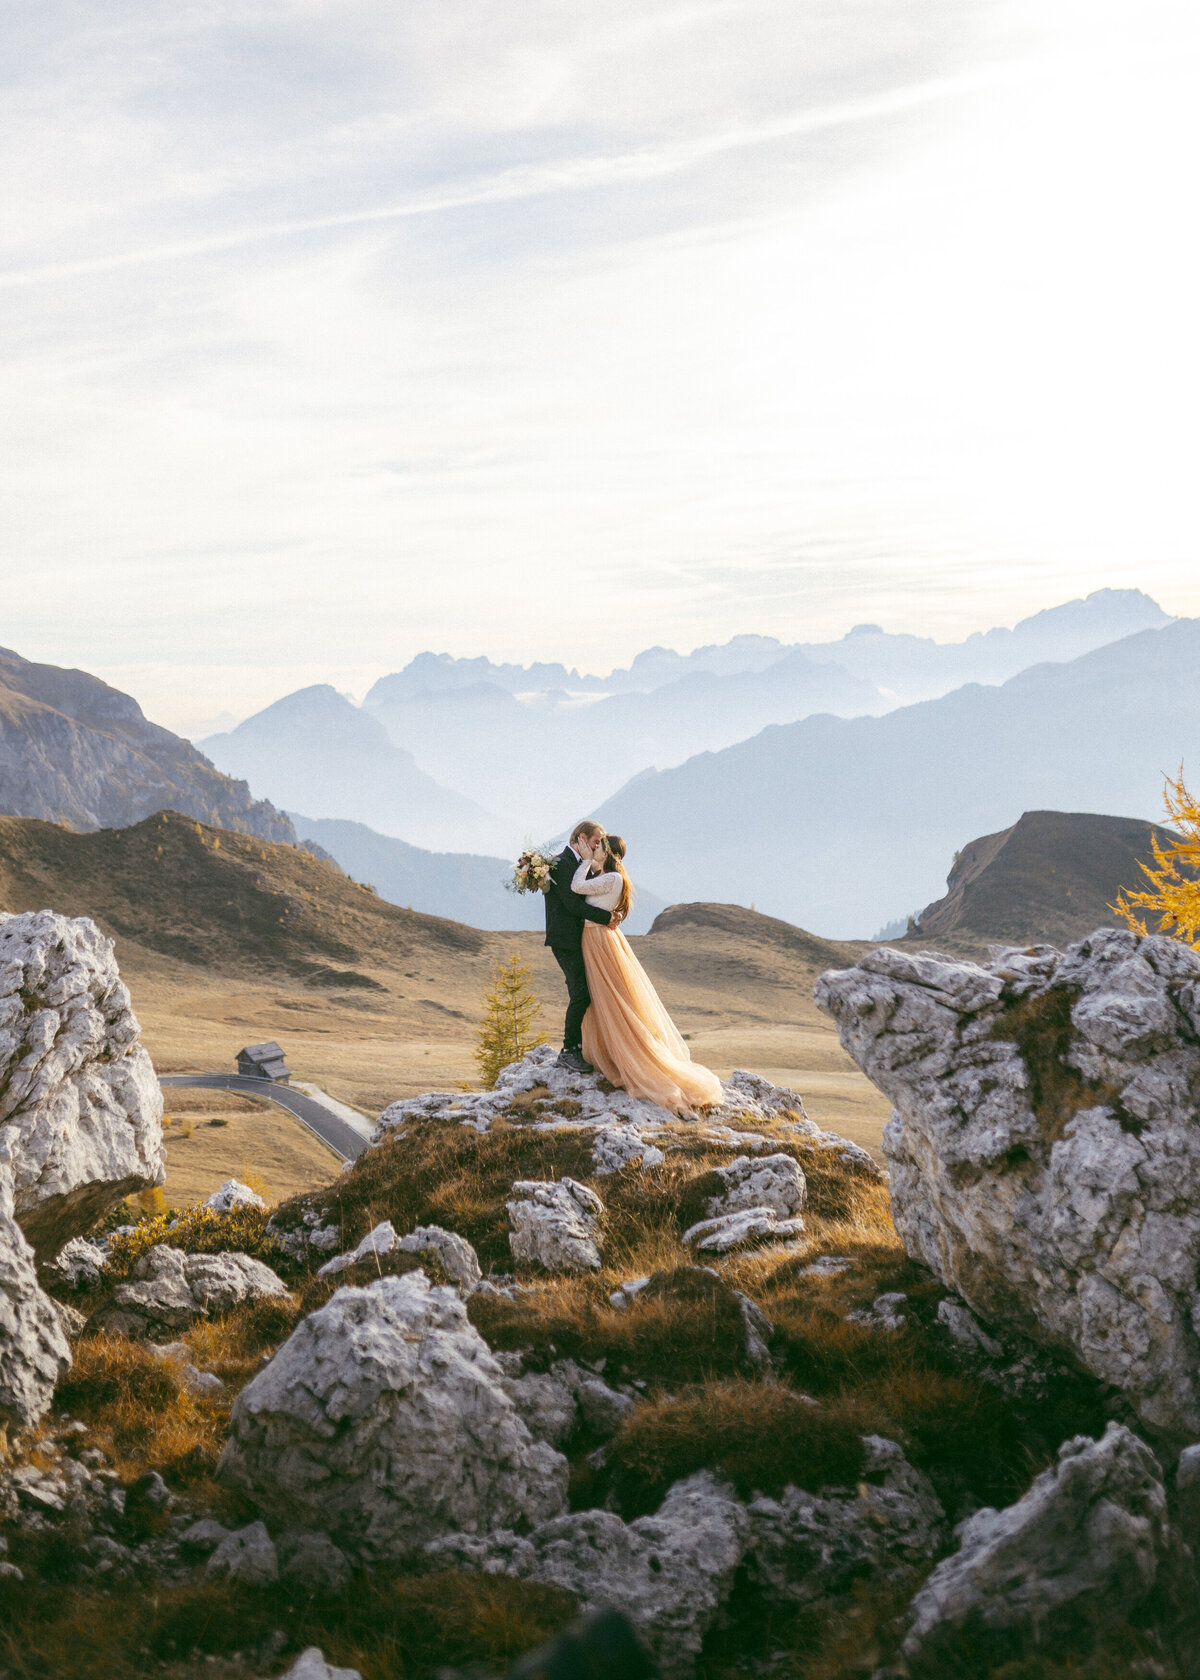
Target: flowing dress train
627 1034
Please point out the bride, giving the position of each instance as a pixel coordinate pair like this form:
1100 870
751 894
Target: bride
627 1033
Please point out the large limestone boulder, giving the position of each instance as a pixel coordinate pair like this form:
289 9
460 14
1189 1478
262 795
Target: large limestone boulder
34 1352
1082 1548
384 1422
670 1573
79 1100
1044 1151
171 1290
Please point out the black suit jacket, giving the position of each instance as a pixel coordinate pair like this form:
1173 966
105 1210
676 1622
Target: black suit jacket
566 911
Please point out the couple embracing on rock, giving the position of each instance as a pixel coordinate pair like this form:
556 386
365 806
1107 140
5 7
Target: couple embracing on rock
615 1019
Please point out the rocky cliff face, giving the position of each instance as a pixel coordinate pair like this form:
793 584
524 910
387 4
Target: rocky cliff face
1044 1153
74 751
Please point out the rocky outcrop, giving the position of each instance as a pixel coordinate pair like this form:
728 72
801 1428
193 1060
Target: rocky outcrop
34 1351
171 1290
74 751
384 1422
311 1665
806 1547
79 1100
1082 1549
555 1224
1044 1153
536 1091
670 1572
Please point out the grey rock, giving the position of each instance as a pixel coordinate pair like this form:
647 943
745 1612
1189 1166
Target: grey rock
1187 1494
453 1253
617 1147
827 1266
10 1571
602 1408
311 1665
808 1547
759 1331
79 1263
1055 1188
883 1313
381 1240
966 1329
34 1352
171 1290
545 1400
728 1231
384 1421
312 1560
73 1322
555 1224
202 1384
775 1182
620 1298
204 1536
1086 1542
233 1194
81 1105
247 1555
670 1573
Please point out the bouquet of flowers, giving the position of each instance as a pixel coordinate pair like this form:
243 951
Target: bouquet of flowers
531 872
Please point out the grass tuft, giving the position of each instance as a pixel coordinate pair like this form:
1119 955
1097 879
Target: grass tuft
762 1437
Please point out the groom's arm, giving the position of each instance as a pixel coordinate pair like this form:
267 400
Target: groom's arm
574 902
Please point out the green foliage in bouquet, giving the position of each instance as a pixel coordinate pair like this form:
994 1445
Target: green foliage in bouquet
511 1009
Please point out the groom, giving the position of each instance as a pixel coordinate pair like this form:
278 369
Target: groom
566 912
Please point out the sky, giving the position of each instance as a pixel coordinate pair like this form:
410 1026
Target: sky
331 330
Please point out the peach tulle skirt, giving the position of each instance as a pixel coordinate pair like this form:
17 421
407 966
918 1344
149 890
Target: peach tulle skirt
628 1034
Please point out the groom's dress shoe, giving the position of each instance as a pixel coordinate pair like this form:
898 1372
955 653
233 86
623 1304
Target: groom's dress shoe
573 1059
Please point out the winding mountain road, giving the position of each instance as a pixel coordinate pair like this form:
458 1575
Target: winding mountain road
325 1120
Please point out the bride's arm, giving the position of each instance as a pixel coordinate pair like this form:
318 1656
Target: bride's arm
589 888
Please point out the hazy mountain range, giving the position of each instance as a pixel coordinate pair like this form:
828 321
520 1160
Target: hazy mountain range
841 824
75 751
840 815
539 745
318 753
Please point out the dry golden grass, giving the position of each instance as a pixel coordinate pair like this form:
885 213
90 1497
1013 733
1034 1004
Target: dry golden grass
760 1436
139 1414
390 1626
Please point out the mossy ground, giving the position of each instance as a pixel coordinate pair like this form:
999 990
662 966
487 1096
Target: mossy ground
681 1342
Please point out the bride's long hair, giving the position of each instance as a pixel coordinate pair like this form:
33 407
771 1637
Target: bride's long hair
615 853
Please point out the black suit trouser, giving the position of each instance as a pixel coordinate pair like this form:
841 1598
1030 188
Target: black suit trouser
570 959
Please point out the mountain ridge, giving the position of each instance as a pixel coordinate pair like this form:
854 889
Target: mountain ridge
75 751
849 815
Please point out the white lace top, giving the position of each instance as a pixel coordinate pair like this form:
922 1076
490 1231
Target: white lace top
603 890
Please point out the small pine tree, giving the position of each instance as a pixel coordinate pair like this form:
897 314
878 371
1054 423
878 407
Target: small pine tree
1174 893
511 1009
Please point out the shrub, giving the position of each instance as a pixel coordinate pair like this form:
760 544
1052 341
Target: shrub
197 1231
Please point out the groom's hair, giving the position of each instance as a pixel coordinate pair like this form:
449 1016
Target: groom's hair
588 827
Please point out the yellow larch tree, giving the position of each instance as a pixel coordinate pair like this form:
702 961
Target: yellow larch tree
511 1009
1172 898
